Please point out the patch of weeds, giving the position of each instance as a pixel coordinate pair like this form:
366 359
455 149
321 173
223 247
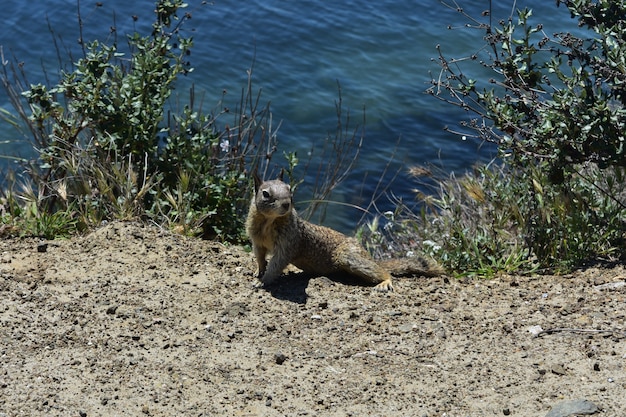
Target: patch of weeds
500 220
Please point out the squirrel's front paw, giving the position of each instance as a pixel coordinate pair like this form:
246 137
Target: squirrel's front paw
267 279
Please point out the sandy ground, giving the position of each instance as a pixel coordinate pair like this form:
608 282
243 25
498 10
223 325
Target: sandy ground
133 320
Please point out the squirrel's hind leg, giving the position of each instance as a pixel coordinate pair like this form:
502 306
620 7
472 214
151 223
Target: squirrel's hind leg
356 261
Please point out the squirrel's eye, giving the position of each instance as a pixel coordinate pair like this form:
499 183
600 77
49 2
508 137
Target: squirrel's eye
266 194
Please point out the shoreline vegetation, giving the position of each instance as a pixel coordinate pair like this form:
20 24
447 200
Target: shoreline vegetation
109 148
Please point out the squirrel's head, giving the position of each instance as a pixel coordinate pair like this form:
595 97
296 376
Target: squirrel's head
273 198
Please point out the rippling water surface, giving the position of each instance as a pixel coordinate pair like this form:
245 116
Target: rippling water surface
379 52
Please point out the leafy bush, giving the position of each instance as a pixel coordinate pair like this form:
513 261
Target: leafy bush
554 99
556 108
557 112
107 150
205 181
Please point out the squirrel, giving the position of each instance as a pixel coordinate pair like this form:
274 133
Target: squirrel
275 228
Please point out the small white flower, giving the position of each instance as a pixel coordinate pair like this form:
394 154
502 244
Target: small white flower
432 245
225 145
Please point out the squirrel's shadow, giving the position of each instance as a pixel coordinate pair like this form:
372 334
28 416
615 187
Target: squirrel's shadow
292 286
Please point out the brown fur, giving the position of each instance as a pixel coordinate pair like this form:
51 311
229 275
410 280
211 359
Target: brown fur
275 228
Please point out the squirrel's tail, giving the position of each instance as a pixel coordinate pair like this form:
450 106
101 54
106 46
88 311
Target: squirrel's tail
412 267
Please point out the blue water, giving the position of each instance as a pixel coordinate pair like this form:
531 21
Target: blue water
380 52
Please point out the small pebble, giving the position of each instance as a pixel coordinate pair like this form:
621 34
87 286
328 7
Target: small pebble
573 407
280 358
405 328
558 370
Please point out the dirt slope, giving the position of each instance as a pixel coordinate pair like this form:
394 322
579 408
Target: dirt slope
132 320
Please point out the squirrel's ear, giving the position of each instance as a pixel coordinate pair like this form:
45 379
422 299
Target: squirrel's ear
280 176
257 181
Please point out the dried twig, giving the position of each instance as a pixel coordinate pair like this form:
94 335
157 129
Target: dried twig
572 330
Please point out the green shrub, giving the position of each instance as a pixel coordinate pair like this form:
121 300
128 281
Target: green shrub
555 106
106 148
